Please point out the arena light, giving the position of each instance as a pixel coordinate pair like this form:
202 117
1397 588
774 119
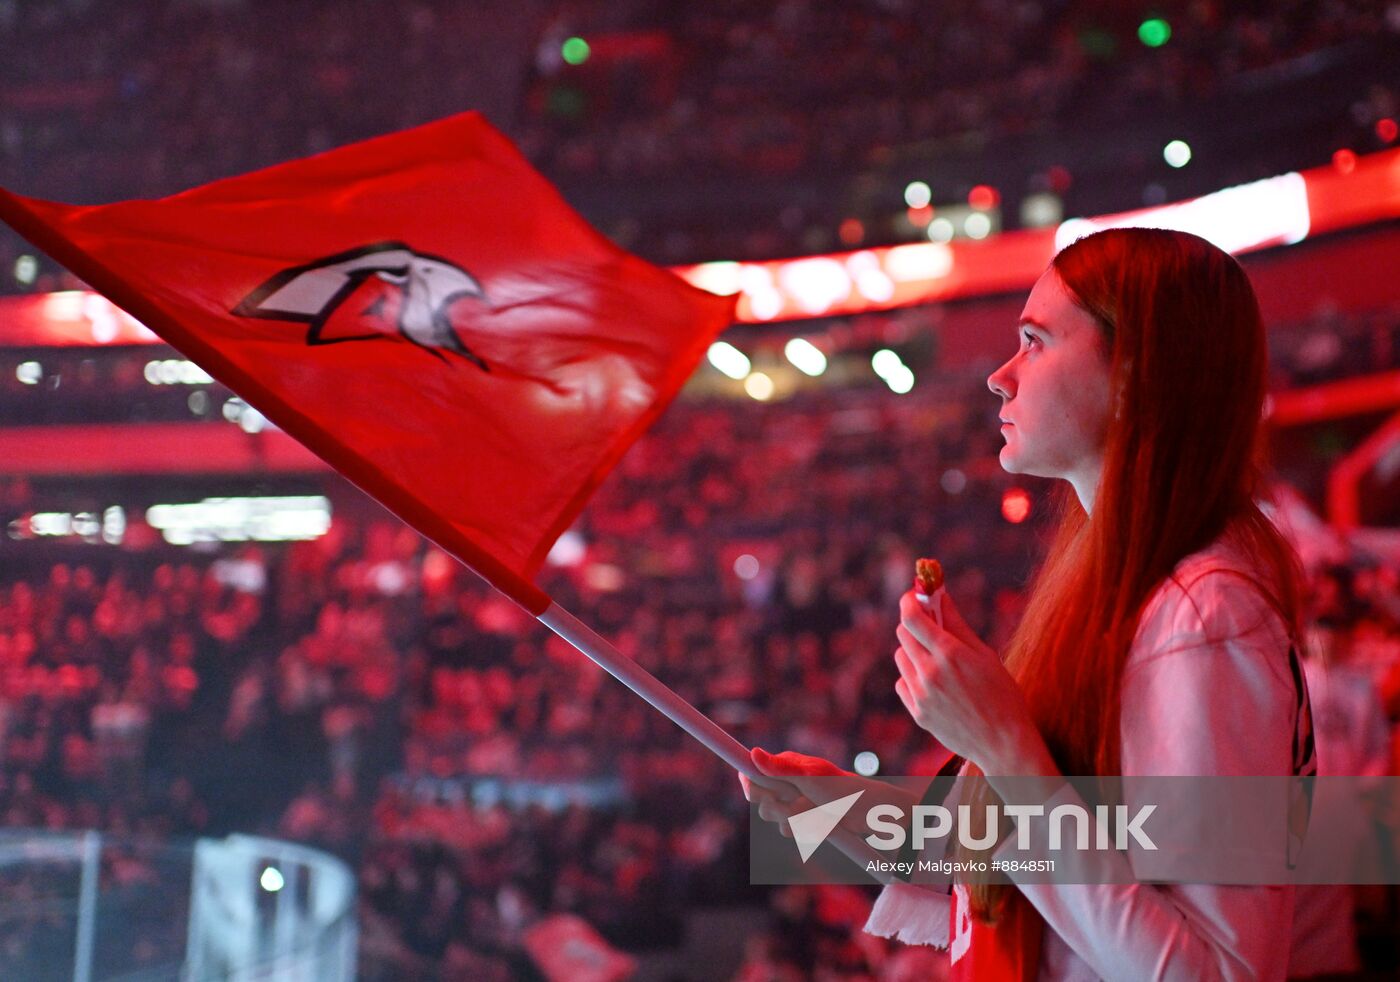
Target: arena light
919 217
26 270
722 278
272 879
113 525
109 526
575 51
983 197
244 416
805 356
759 386
1016 505
891 368
867 763
900 381
729 360
765 298
871 281
917 194
56 524
175 371
569 549
29 372
746 567
270 519
886 362
817 284
766 304
977 225
1154 32
1177 153
918 262
1041 210
940 230
1274 211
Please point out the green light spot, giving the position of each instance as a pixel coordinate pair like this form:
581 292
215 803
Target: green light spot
1154 33
575 51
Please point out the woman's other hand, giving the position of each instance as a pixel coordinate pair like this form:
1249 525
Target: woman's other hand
789 795
802 782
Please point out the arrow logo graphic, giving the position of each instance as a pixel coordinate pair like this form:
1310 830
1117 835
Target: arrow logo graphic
810 828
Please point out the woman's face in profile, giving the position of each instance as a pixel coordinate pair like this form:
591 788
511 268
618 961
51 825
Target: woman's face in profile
1055 389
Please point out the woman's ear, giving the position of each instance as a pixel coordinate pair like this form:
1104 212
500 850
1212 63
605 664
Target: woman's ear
1124 374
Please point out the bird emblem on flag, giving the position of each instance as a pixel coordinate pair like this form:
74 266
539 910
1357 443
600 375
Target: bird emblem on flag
384 290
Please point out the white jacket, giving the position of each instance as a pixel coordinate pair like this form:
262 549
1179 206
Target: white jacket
1209 688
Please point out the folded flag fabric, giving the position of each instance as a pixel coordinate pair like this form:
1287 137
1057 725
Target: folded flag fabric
424 311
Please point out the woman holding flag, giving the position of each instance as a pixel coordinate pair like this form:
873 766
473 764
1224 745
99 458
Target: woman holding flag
1161 633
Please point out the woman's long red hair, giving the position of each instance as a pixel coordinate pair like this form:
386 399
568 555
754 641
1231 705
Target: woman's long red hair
1183 465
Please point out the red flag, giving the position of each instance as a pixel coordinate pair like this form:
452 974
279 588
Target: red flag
423 311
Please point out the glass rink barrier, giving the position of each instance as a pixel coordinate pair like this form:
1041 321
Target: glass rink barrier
99 908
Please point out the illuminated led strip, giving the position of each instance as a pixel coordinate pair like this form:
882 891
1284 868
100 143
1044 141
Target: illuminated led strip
1240 219
1276 211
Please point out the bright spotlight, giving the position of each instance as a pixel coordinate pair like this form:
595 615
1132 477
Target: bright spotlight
977 225
1015 505
886 362
759 386
729 360
1154 32
940 230
575 51
26 270
806 356
867 763
901 380
1177 153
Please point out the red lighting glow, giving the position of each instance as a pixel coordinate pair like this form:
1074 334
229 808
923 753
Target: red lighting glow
1016 505
983 197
